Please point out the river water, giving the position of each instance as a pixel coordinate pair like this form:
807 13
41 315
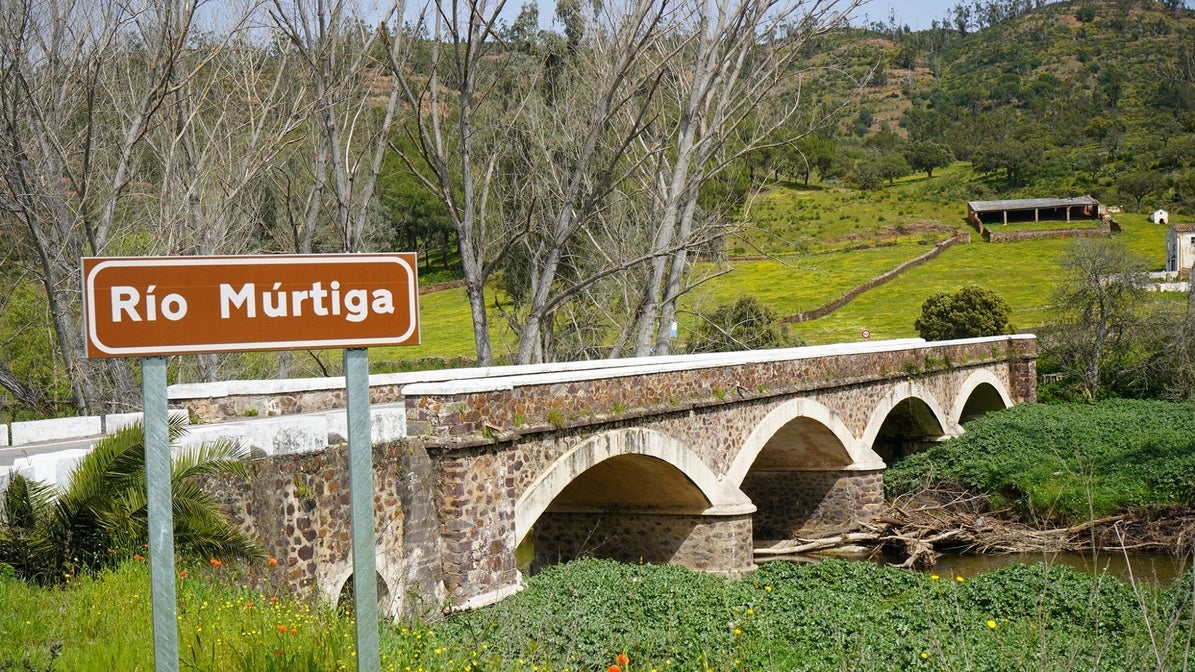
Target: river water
1150 569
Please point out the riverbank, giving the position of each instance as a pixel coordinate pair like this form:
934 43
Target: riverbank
918 529
1113 475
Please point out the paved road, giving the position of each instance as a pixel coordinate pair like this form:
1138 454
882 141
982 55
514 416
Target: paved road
10 454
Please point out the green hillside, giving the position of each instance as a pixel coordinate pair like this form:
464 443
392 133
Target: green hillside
854 237
1094 97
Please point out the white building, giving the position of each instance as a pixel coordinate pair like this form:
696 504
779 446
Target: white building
1180 248
1159 216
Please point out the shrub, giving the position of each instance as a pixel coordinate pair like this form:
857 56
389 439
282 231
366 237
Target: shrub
745 324
970 312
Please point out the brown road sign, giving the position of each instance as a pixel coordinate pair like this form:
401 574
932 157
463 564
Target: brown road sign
142 306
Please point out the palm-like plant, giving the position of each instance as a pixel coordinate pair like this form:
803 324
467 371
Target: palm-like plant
101 514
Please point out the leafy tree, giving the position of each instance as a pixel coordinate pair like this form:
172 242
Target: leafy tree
1140 185
101 514
812 152
745 324
1184 186
927 156
866 176
891 166
883 140
970 312
1015 157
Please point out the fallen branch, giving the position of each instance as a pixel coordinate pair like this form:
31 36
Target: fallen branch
810 545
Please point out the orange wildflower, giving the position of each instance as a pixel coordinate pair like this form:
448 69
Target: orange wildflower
215 563
273 562
182 574
622 659
282 629
139 558
614 668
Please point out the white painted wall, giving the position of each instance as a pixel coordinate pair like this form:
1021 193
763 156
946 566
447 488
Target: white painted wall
56 429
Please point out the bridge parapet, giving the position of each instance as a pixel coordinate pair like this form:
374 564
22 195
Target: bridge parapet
224 401
531 403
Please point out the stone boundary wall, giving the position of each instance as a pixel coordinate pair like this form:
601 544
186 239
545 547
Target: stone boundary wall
1008 234
520 406
824 310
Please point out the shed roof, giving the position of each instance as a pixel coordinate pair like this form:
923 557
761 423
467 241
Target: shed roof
1183 228
1030 204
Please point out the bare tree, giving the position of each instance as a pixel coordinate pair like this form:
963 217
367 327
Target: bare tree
82 84
354 106
235 111
1098 313
449 156
741 58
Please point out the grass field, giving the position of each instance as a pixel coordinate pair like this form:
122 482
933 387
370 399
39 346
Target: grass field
819 243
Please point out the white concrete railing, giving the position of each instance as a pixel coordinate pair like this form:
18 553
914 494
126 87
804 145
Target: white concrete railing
48 450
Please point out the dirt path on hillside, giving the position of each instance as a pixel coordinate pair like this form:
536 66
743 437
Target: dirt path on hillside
921 526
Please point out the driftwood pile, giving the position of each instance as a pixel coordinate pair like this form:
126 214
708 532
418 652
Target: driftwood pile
916 528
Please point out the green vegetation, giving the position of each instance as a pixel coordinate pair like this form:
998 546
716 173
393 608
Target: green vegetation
99 517
743 325
1066 462
971 311
582 616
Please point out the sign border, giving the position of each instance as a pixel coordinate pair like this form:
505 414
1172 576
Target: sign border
92 339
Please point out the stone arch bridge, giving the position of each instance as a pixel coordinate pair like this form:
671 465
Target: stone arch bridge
688 459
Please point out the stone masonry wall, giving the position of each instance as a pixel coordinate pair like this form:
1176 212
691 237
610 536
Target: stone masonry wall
1022 369
812 503
298 509
582 402
477 513
719 544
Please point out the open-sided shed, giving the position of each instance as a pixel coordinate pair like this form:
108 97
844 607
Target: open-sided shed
1033 210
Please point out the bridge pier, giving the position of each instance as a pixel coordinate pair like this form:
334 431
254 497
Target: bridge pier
707 541
804 503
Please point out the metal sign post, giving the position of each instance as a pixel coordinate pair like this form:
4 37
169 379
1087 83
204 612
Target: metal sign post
159 504
365 579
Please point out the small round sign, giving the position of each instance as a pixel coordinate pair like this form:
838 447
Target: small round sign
866 333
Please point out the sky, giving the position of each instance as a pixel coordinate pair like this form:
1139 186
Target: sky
916 14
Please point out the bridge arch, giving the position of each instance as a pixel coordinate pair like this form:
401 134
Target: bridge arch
830 441
695 488
981 393
806 473
335 582
909 415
